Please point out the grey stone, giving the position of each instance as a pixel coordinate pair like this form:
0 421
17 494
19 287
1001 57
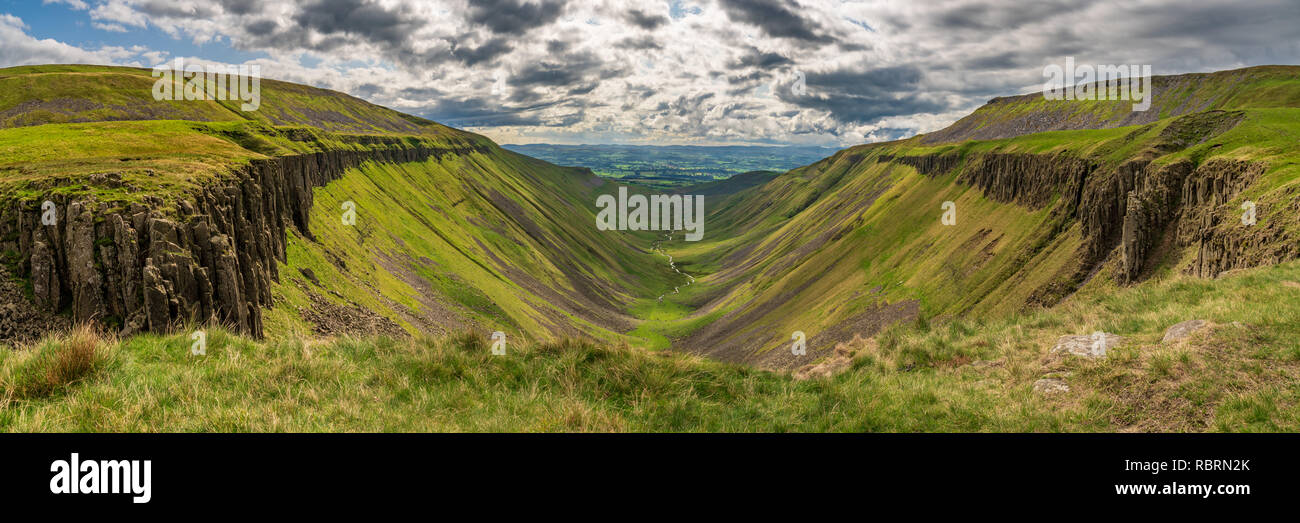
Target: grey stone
1091 346
1050 386
1182 330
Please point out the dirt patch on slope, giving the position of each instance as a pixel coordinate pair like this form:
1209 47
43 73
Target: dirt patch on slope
330 319
435 316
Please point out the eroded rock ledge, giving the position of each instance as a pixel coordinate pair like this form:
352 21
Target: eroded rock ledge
1135 210
213 257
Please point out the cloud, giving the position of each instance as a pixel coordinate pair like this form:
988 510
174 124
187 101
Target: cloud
644 20
683 71
777 18
514 16
19 48
368 20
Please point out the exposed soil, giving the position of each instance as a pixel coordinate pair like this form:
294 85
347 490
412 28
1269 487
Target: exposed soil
435 315
330 319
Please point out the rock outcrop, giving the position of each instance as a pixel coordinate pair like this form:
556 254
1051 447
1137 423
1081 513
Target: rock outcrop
1139 209
144 266
1184 329
1092 346
1050 386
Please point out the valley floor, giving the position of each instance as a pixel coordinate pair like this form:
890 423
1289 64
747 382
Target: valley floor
1240 374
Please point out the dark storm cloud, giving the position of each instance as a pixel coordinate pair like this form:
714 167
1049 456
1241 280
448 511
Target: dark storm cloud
486 52
562 71
889 79
581 90
1003 16
642 43
776 18
645 21
418 93
366 19
490 112
514 16
686 105
574 74
1005 60
756 58
242 7
557 46
262 27
863 97
1271 21
865 108
368 90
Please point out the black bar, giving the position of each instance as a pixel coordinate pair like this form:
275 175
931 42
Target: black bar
234 471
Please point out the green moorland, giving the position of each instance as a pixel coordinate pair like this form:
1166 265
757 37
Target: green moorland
1236 376
483 239
95 120
825 244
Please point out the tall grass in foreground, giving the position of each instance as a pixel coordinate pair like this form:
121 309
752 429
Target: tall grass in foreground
953 375
51 365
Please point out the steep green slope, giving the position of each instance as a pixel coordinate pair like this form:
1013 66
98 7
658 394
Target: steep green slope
174 212
487 240
850 244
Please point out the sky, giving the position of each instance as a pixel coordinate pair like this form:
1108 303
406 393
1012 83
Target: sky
700 72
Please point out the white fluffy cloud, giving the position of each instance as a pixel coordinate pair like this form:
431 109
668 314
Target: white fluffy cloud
19 48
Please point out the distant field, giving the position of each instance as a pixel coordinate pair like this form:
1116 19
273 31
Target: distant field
674 165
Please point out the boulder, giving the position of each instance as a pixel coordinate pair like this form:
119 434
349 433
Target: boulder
1050 386
1092 346
1182 330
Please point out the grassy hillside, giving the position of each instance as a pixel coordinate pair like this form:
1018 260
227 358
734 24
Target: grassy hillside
851 243
493 241
44 94
1239 375
1248 88
474 237
64 126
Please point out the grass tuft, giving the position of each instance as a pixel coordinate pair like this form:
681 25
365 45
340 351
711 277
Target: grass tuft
53 364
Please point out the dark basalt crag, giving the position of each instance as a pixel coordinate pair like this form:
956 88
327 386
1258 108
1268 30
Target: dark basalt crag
1134 212
212 258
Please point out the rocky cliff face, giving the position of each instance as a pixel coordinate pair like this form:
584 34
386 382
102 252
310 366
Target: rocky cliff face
1135 211
142 266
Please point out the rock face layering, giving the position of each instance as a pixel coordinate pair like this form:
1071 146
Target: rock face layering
1135 207
212 258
